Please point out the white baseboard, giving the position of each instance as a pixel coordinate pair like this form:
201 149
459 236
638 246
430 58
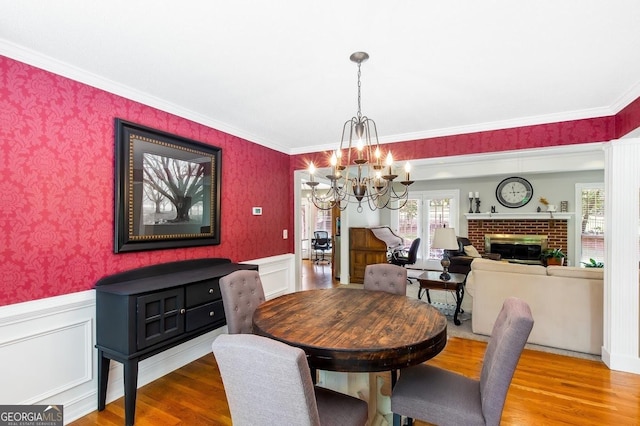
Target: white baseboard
48 354
621 362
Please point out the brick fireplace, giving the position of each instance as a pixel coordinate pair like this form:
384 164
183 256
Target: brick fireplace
554 229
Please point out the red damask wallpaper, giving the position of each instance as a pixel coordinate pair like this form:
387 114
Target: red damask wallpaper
56 178
628 119
599 129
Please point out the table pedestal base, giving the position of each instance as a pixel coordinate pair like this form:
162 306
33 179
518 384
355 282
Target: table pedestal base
363 386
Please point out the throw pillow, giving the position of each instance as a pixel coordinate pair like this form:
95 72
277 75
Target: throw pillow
471 251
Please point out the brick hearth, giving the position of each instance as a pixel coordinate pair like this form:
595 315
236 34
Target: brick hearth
555 229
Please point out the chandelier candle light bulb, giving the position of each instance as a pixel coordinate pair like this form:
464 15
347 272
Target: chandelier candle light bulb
334 162
312 170
389 161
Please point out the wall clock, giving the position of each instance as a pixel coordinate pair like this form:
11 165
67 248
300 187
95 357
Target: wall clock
514 192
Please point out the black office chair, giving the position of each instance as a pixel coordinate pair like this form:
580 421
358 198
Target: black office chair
406 257
321 243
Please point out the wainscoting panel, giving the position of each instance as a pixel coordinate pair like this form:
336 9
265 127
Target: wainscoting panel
48 354
59 359
277 275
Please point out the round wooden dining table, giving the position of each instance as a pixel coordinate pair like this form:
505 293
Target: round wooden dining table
354 330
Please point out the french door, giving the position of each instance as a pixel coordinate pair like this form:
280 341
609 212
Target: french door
424 212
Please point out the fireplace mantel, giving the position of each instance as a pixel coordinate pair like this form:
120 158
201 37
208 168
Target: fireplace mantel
520 216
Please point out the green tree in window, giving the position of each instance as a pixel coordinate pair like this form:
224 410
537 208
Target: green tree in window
592 211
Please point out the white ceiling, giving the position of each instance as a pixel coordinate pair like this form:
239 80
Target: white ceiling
278 72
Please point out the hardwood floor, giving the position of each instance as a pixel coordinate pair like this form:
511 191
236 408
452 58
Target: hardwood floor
317 275
547 389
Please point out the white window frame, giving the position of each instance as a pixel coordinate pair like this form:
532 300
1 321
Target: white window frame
577 246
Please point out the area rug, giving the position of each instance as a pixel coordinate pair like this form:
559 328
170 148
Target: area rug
443 301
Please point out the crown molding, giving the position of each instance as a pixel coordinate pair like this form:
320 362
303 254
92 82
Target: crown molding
66 70
626 98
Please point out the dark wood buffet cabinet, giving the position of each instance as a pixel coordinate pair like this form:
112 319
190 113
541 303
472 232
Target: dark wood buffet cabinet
144 311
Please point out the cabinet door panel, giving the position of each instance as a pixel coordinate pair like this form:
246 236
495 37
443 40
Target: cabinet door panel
159 316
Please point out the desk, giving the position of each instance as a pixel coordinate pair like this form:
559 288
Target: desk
430 280
353 330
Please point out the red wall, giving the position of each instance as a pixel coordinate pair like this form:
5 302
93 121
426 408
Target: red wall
56 177
57 183
600 129
628 119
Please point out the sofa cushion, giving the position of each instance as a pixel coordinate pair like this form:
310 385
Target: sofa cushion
471 251
574 272
503 266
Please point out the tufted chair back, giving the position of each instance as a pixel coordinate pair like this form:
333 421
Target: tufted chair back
386 277
444 397
242 292
268 382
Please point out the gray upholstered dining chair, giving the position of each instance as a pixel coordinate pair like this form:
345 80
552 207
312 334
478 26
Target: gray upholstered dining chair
267 382
386 277
242 293
445 398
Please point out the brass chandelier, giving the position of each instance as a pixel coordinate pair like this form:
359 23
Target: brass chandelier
365 177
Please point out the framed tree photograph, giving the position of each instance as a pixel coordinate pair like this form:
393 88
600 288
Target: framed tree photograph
167 190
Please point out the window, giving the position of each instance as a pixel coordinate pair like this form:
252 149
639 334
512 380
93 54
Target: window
439 217
323 221
408 219
590 218
424 212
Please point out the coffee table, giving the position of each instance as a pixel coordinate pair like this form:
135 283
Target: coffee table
430 280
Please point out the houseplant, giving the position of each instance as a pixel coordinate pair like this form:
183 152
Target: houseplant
592 263
553 257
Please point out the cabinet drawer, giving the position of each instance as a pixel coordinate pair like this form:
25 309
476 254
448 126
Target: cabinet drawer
201 316
203 292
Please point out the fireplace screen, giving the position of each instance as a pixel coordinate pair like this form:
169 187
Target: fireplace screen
514 246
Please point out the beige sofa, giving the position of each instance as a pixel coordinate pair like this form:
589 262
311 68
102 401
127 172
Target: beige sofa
566 302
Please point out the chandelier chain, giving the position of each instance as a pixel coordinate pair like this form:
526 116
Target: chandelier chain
359 96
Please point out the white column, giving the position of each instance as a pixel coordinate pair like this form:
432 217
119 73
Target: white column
621 350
